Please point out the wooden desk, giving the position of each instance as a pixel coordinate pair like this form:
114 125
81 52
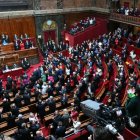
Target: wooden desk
9 59
6 48
15 56
13 72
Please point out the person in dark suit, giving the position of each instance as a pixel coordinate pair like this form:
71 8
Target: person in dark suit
20 121
16 45
37 93
24 132
1 116
133 107
27 45
9 79
65 118
64 100
14 110
1 86
39 136
34 127
60 130
51 103
25 64
50 90
41 109
11 120
17 100
6 105
56 119
26 98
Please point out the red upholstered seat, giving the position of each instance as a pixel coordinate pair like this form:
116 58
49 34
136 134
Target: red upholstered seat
129 135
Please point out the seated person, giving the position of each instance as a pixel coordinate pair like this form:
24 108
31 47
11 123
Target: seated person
16 45
25 64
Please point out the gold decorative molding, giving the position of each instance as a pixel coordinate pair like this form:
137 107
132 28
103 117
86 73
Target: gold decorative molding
47 27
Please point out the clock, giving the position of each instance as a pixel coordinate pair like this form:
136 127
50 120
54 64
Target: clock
49 22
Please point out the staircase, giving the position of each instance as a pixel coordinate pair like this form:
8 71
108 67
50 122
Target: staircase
15 5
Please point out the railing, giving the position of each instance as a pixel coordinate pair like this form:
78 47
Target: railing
123 18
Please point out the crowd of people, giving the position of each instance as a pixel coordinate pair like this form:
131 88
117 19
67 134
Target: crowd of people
82 25
80 68
53 47
129 11
19 44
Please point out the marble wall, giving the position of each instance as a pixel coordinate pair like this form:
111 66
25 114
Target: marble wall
40 19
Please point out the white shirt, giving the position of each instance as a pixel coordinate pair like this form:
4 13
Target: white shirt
67 71
76 125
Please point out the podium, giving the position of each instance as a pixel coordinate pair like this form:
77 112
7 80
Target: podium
7 48
9 58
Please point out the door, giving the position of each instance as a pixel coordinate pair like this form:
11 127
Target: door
49 35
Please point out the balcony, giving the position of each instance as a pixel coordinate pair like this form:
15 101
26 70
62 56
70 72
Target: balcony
132 20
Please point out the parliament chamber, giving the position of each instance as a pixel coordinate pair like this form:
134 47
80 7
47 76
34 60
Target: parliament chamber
70 70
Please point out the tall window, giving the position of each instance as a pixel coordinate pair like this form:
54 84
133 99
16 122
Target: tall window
36 4
60 4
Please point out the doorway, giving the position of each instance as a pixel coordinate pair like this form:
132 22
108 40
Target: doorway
49 35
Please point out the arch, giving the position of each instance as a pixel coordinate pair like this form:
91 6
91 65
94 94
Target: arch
50 31
49 25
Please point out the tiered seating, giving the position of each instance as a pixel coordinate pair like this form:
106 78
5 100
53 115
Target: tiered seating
129 135
98 94
104 82
111 83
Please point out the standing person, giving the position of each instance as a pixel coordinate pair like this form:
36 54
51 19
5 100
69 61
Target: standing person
60 130
41 109
1 87
65 118
39 136
64 100
24 132
52 105
25 64
44 88
76 125
133 107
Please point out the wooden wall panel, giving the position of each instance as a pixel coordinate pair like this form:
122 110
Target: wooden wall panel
4 26
18 26
15 26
